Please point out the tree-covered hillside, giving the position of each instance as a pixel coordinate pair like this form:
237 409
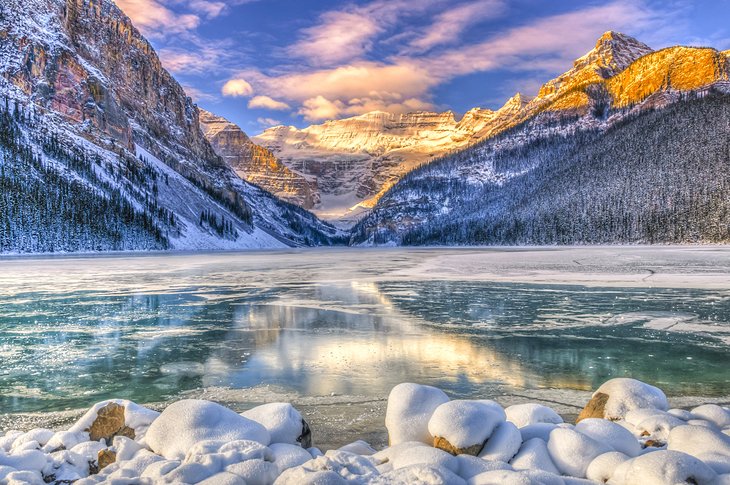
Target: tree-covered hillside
661 176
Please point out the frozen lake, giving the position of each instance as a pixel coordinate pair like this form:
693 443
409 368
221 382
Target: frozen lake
334 330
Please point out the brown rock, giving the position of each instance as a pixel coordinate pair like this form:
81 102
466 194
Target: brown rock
109 423
106 458
594 408
443 444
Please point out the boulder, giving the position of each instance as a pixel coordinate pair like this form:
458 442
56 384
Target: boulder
462 427
572 451
530 413
110 422
595 407
615 398
105 458
666 466
410 407
185 423
284 423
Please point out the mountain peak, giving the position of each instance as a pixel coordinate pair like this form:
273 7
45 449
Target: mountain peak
614 52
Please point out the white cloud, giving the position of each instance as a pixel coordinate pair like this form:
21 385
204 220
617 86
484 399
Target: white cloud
266 102
237 88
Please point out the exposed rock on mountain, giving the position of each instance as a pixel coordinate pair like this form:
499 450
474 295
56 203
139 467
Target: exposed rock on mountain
87 103
254 163
630 146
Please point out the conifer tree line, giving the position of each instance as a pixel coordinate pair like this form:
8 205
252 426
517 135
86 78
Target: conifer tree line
661 176
52 198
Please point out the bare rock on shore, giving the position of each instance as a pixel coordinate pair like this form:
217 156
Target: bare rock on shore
110 422
105 458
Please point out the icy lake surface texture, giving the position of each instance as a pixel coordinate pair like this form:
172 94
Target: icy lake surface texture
342 327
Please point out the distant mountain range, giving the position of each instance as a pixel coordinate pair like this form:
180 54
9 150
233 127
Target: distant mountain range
100 149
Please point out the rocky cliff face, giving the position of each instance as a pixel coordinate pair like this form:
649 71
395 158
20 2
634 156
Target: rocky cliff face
87 73
255 163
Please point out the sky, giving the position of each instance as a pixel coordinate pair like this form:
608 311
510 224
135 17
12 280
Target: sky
262 63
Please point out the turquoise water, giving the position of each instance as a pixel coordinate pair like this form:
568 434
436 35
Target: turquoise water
74 331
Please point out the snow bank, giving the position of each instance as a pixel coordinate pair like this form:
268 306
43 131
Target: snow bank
434 441
284 423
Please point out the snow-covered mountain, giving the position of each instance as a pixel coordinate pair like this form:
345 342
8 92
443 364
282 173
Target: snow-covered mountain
354 161
89 113
631 146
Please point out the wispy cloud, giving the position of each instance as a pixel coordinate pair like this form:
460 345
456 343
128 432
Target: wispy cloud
348 34
268 122
153 17
449 25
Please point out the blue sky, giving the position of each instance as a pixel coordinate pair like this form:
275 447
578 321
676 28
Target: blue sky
298 62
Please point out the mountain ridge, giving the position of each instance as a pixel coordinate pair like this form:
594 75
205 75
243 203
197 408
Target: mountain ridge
83 82
374 162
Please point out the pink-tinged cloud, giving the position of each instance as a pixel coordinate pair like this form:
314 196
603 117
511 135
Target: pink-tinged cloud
265 102
152 16
211 9
237 88
550 43
449 25
346 35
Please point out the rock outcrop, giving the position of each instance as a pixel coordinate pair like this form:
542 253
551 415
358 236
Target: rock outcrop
255 163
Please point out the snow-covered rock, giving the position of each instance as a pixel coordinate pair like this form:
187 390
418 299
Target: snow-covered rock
283 422
463 426
713 413
530 413
503 444
603 467
611 434
616 397
534 455
572 451
410 407
667 466
185 423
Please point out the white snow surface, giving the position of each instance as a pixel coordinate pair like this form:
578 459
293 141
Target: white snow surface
201 442
410 407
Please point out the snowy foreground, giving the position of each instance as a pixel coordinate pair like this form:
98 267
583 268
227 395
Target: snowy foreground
625 435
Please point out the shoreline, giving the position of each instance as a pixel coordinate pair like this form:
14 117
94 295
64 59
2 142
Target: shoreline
340 419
